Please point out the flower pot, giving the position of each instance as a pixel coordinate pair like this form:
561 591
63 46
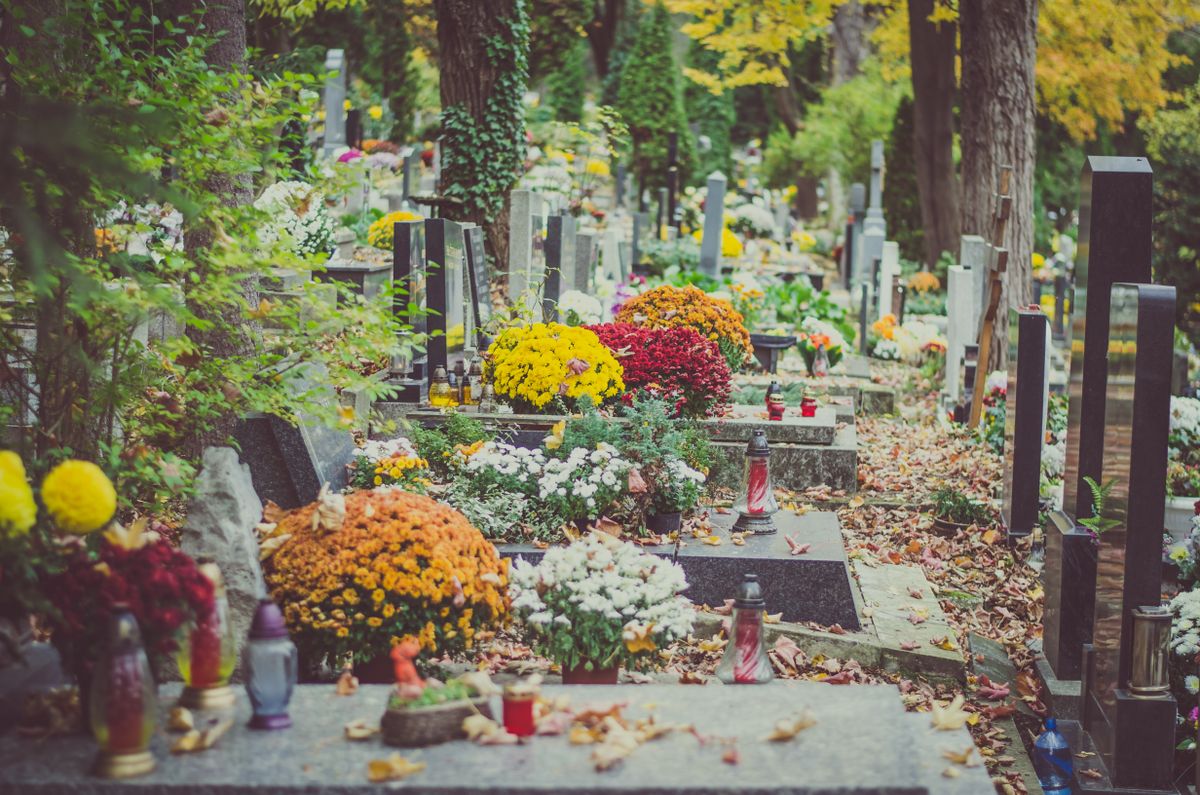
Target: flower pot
580 675
664 523
945 527
1178 516
421 726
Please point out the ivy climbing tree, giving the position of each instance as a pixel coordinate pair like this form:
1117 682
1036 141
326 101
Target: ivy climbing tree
483 53
650 101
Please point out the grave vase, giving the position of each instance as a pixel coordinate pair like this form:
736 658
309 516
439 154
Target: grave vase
664 523
580 675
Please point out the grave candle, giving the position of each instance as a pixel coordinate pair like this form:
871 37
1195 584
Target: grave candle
775 407
208 651
756 503
745 661
518 702
821 362
123 701
808 406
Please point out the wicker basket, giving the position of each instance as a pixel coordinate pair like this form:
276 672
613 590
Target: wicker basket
415 727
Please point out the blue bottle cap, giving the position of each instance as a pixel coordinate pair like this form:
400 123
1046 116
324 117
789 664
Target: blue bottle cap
1051 725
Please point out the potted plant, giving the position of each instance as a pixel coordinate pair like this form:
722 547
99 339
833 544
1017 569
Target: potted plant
953 510
600 604
1183 469
677 488
424 712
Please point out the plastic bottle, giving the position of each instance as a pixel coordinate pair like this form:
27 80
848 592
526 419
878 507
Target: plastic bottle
1052 761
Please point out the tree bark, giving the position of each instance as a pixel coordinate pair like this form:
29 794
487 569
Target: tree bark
602 33
226 19
850 46
933 81
999 45
469 78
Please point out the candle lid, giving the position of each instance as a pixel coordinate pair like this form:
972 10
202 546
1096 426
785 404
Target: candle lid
757 446
268 622
750 595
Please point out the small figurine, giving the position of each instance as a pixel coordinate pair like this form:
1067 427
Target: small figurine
775 407
407 678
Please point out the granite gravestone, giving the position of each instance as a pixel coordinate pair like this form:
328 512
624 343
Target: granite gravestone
610 256
585 261
1135 736
335 100
889 271
1025 418
444 298
1115 214
714 225
288 462
960 327
641 223
1060 308
973 254
560 263
526 208
480 284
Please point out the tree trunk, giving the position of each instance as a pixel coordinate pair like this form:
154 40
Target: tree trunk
225 19
602 33
483 47
932 57
999 45
850 46
395 61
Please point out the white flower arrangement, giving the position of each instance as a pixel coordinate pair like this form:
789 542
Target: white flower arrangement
380 449
814 325
754 219
913 337
601 602
1185 426
1185 627
887 349
298 212
997 379
578 308
1054 459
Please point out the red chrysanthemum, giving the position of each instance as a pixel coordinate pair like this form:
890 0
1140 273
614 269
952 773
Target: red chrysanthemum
676 364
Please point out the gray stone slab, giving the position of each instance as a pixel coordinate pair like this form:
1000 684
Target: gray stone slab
1064 697
793 428
797 466
815 586
860 745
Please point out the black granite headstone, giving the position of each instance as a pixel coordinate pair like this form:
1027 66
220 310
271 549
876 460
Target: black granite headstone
672 195
481 292
560 256
1134 735
1069 582
847 253
1115 209
354 131
408 276
1060 307
437 293
1025 418
585 261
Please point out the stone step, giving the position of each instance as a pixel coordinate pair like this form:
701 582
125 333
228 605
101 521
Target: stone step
860 745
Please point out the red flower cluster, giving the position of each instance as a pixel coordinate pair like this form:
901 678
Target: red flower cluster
161 585
677 364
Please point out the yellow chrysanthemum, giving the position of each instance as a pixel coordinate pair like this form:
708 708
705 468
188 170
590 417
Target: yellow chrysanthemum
79 496
18 512
731 247
537 363
923 282
598 168
380 233
375 112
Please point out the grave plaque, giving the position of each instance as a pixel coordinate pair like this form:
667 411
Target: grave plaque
335 100
1025 418
480 284
1115 208
1134 735
714 223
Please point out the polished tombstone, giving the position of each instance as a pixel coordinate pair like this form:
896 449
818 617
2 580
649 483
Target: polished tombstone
714 223
1069 582
409 285
448 322
560 263
1115 213
1025 418
1135 736
479 284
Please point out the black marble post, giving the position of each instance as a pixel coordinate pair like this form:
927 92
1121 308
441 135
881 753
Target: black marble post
1134 736
864 311
437 292
408 275
848 253
662 217
1060 307
1115 209
875 263
559 230
1069 582
672 196
1025 418
354 133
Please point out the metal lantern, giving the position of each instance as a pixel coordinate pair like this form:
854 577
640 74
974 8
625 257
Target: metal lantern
124 701
746 661
756 504
208 651
271 668
1149 677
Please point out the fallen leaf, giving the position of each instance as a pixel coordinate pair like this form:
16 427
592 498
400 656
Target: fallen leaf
991 691
692 678
795 547
915 619
788 728
856 502
909 645
965 758
1000 711
738 539
991 536
180 720
638 638
357 730
951 772
731 756
772 618
713 540
394 768
916 593
1091 773
715 643
485 731
347 683
1084 755
951 716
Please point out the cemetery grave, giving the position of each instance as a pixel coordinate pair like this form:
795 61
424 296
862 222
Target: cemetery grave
425 409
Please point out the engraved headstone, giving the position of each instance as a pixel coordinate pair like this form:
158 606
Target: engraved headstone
585 261
560 263
408 277
889 271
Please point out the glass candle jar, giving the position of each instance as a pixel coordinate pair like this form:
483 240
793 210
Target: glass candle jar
271 668
745 661
756 503
208 651
124 701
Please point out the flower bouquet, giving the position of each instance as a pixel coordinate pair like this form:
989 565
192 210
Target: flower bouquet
715 319
549 365
393 566
600 604
389 463
675 364
296 210
816 333
423 712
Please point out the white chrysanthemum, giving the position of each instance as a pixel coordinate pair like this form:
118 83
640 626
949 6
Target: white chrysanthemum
579 308
298 211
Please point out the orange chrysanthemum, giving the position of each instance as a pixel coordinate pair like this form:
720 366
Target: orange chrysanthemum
668 307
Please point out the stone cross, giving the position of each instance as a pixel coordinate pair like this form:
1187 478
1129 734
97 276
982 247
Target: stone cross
1025 417
876 179
1115 216
335 101
1133 733
714 224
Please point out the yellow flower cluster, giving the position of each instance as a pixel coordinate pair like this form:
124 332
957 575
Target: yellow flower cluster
79 497
534 364
381 232
401 567
923 282
18 512
731 247
885 326
401 468
598 168
806 240
668 306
